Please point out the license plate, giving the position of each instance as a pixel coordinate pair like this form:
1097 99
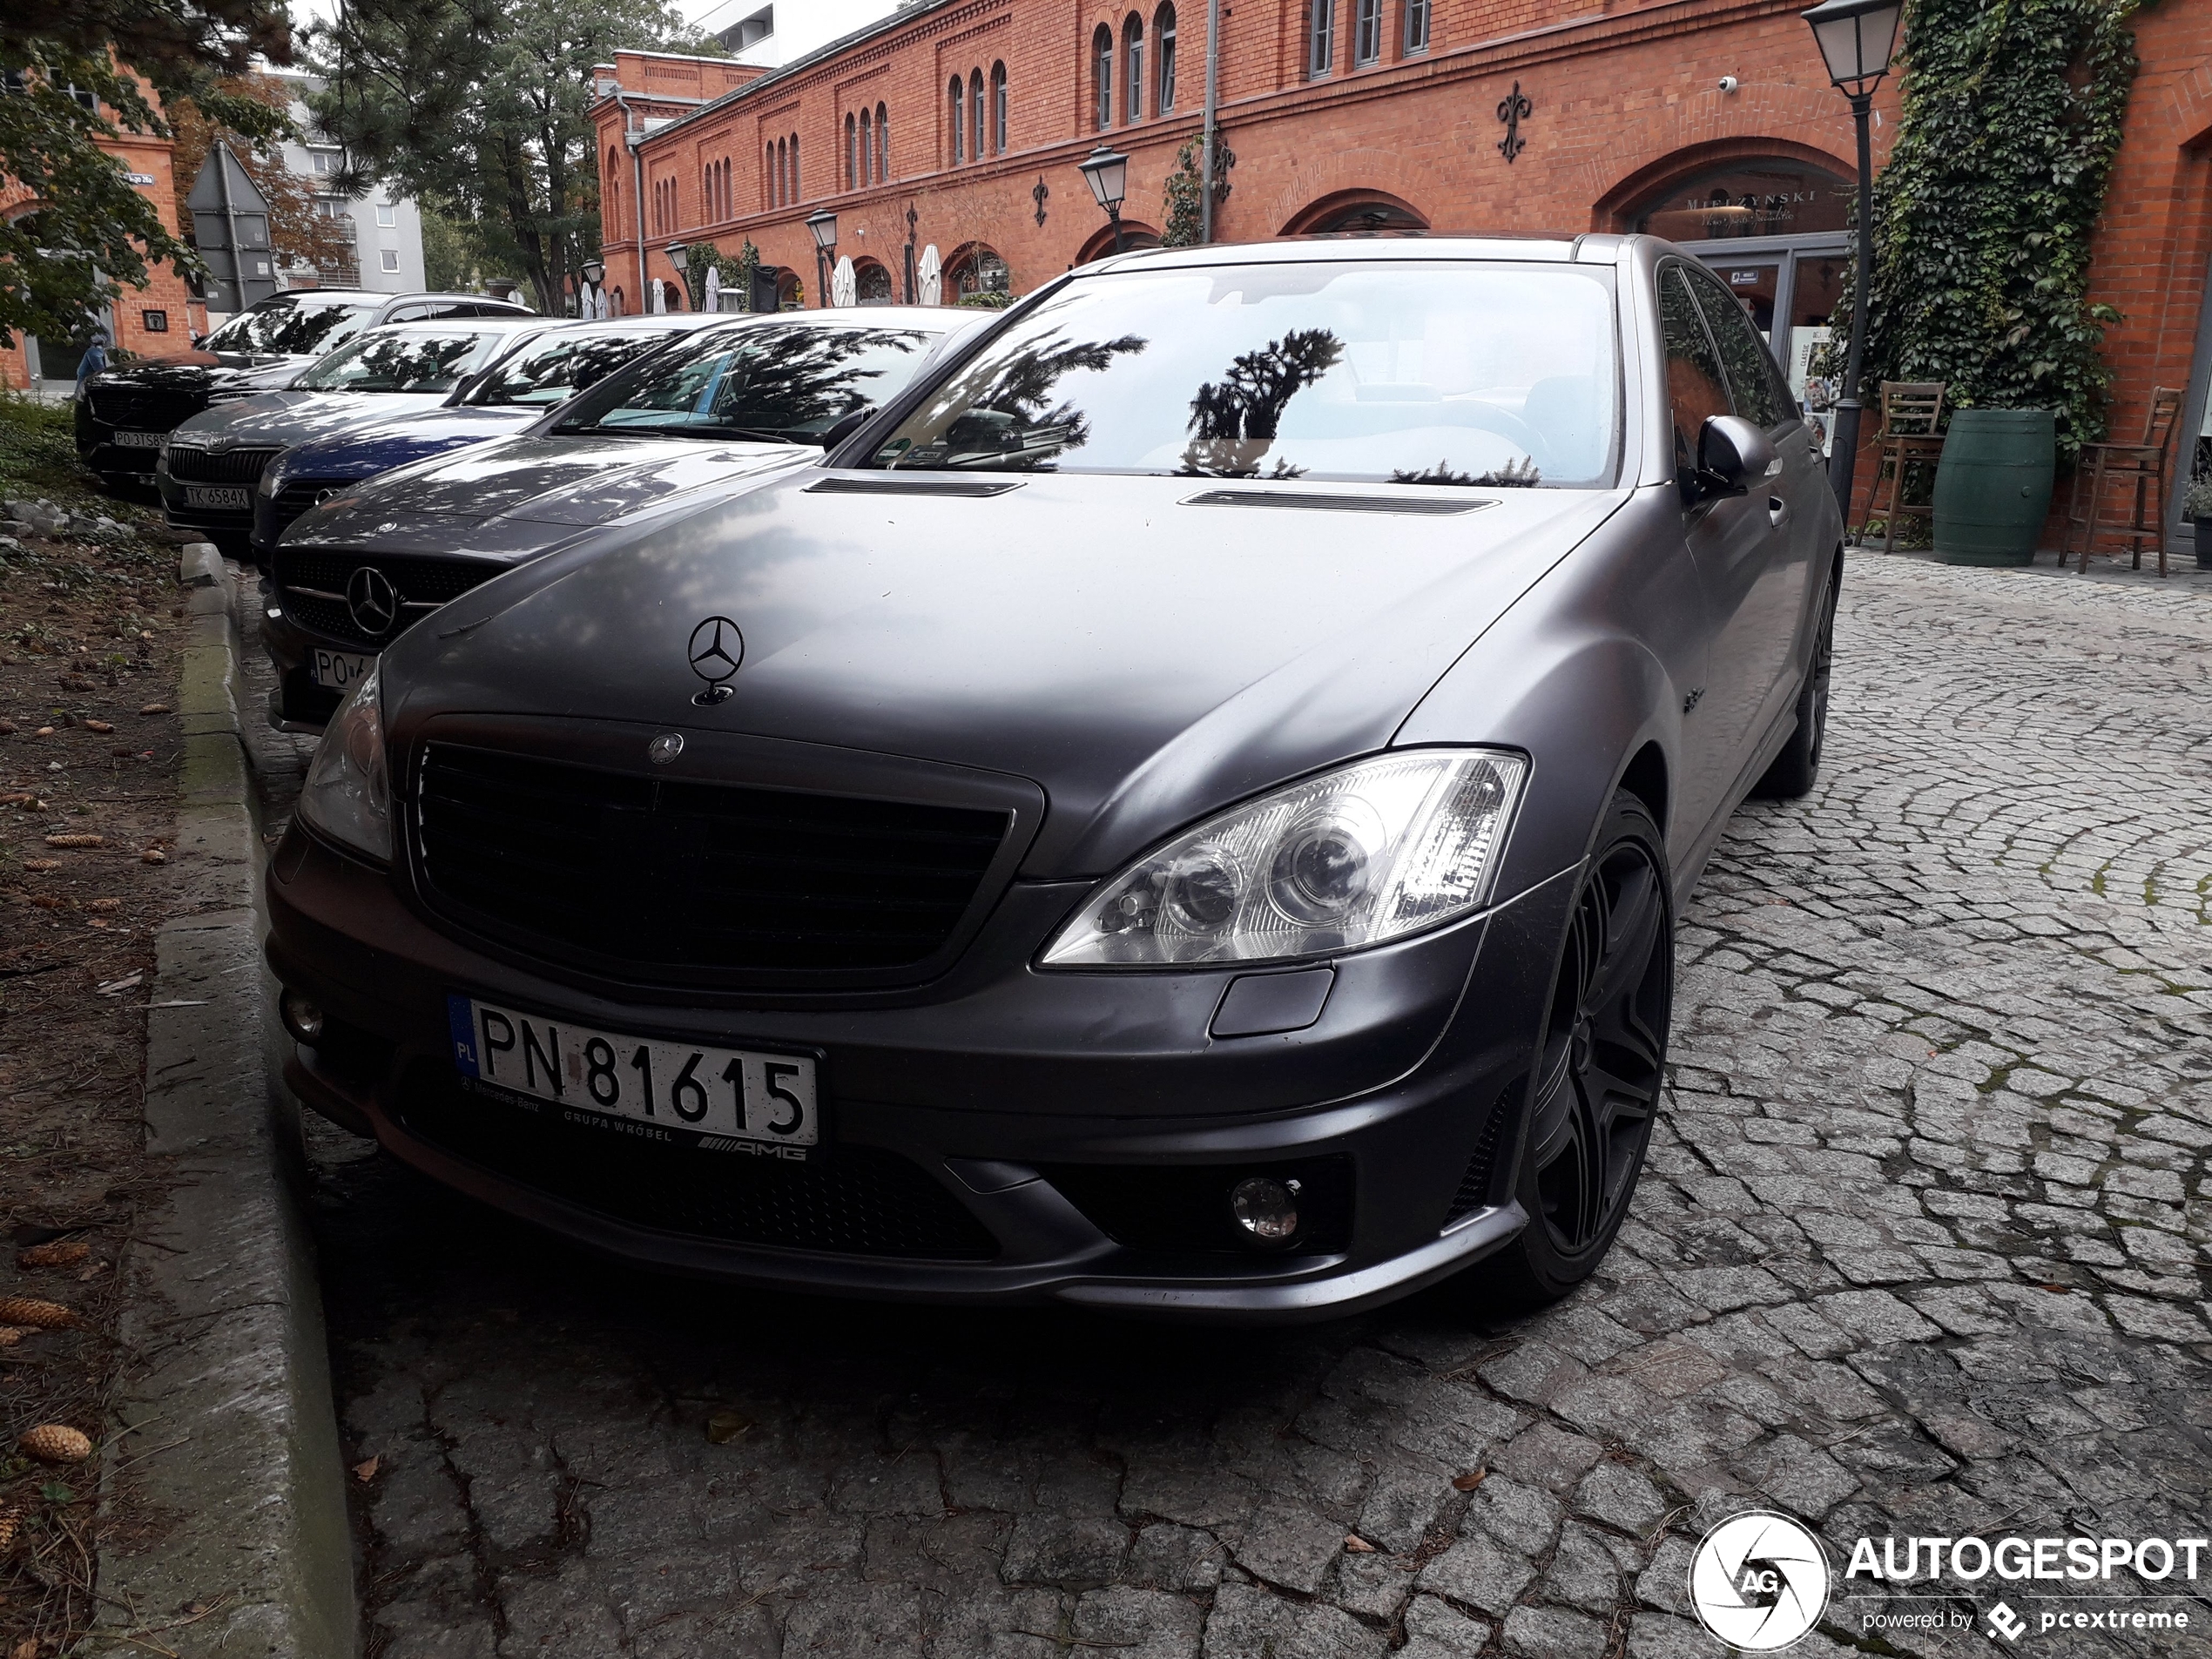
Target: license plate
218 495
140 439
336 671
716 1099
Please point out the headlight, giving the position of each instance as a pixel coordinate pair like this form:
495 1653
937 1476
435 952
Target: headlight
268 485
347 796
1340 862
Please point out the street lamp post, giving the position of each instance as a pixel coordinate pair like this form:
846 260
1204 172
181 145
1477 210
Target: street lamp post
1856 38
823 227
594 273
1107 172
678 256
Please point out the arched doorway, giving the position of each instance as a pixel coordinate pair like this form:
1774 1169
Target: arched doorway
871 282
1371 212
1774 224
1135 234
786 290
976 268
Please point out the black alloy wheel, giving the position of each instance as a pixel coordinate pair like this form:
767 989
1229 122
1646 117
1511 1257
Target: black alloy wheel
1600 1063
1791 773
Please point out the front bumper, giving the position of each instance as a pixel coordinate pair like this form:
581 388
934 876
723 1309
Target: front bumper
992 1078
297 703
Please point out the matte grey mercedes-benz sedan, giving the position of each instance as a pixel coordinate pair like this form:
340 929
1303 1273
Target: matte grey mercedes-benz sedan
1182 809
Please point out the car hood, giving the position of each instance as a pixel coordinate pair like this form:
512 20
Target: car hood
203 372
365 451
282 419
501 497
1144 658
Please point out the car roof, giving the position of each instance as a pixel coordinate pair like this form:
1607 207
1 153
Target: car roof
454 324
370 298
1559 247
879 316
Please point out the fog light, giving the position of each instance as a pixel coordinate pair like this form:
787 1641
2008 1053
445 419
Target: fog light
301 1018
1265 1208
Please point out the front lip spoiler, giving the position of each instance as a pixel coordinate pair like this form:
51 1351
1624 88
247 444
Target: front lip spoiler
1318 1291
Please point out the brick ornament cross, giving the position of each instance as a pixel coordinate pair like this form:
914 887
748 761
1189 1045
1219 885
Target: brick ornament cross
1038 196
1511 109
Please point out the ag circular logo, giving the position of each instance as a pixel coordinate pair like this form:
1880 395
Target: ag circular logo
715 650
371 600
1759 1581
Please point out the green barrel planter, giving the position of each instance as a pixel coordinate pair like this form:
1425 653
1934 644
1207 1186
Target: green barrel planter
1992 489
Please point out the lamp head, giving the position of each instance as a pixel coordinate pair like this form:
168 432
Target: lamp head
1107 172
1858 39
823 227
675 252
593 271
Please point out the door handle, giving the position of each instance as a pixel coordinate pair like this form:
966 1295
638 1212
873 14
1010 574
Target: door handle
1777 512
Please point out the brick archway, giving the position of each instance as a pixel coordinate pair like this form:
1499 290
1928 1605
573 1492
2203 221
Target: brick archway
1135 234
1329 212
1377 173
1613 209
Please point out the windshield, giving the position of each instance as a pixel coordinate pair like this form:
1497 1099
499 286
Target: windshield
786 382
295 327
556 370
393 363
1387 373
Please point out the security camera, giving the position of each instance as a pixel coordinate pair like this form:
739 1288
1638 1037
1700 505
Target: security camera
1728 83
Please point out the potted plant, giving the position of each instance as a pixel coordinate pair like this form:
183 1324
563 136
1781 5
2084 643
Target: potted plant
2197 505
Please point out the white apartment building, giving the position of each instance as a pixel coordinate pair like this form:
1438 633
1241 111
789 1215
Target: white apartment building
386 226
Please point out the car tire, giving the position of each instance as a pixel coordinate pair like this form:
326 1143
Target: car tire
1600 1062
1791 773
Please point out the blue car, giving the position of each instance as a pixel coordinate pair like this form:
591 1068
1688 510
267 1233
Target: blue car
532 375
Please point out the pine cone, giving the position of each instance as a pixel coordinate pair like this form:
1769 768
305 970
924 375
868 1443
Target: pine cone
63 1252
35 1312
56 1443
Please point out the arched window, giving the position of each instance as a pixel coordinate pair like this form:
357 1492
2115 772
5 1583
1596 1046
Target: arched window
1366 32
783 175
976 113
1751 196
768 177
998 109
1133 78
1321 39
882 144
956 95
798 190
1416 26
1163 33
1102 75
851 154
615 306
868 148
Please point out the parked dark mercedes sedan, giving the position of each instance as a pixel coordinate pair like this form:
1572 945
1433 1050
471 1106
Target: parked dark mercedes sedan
728 405
124 415
1183 810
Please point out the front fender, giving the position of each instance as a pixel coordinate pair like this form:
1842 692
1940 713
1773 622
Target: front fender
1590 668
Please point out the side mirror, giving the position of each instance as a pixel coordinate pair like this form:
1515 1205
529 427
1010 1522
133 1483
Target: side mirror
1732 455
839 431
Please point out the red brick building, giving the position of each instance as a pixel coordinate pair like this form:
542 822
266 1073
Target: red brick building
958 125
155 319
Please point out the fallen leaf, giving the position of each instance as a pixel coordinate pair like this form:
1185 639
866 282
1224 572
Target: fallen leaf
65 1252
724 1427
76 838
100 726
365 1471
1469 1482
47 901
56 1443
1358 1545
155 708
117 987
35 1312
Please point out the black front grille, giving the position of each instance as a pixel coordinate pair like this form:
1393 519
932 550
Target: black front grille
672 877
422 583
851 1201
1479 1181
218 466
138 409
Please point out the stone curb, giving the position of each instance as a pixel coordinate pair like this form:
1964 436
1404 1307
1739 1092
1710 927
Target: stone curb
232 1439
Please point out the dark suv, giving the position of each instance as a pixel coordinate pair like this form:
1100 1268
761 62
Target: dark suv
124 415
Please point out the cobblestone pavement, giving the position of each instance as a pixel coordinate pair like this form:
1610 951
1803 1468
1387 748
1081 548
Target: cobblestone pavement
1921 1250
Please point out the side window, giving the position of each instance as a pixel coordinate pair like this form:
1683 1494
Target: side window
449 309
1750 372
1695 388
408 314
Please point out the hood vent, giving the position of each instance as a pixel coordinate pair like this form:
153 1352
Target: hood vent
892 485
1431 508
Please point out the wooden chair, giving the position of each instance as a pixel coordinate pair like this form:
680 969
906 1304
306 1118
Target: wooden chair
1911 410
2142 464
